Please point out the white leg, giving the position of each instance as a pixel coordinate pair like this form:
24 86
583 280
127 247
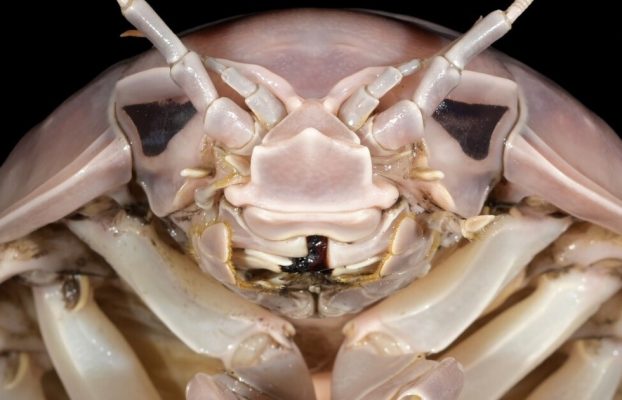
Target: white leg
432 312
502 352
200 311
91 357
378 370
606 323
46 251
593 371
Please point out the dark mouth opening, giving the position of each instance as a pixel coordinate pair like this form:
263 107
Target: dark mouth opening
314 261
310 272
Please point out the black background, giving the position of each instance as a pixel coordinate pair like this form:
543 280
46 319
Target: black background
46 58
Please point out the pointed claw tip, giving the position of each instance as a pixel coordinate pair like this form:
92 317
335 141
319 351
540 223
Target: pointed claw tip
21 368
124 4
132 33
76 292
427 174
194 173
474 225
348 329
290 331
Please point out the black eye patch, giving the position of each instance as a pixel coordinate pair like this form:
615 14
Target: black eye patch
158 122
471 125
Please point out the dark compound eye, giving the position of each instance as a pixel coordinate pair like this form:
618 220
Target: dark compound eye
471 125
158 122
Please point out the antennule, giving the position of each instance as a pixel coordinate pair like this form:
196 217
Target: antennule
443 73
516 9
484 33
142 16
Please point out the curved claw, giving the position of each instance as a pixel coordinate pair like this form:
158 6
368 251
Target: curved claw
364 373
25 382
219 387
280 373
266 371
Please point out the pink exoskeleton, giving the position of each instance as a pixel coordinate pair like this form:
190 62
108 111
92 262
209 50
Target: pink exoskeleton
306 211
